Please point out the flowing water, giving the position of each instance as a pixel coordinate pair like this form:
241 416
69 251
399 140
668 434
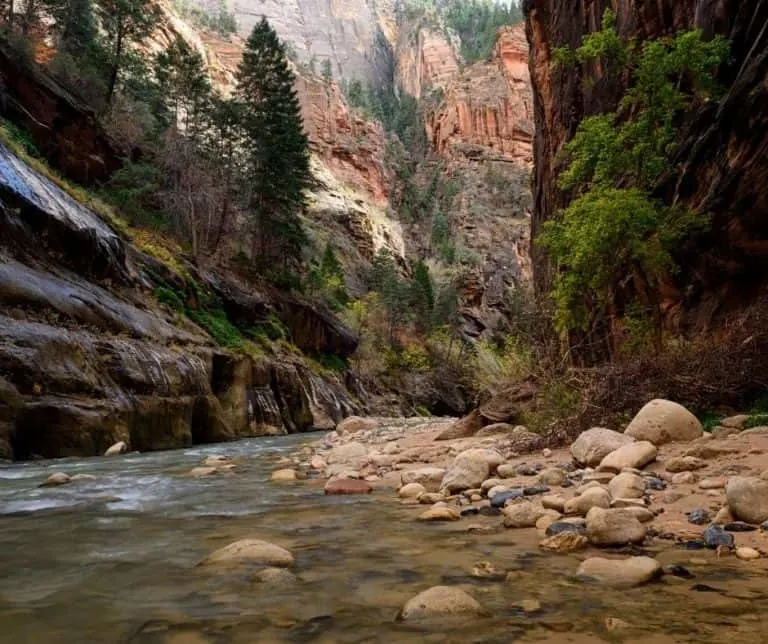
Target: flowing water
114 560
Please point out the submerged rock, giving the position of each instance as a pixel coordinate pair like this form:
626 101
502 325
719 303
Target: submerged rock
715 536
275 577
57 478
620 572
253 551
284 475
347 486
440 601
440 513
559 527
411 491
118 448
564 542
522 515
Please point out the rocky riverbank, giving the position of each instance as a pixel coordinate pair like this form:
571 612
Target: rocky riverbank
619 499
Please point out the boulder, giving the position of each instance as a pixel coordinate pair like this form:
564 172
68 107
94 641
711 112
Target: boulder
636 455
411 491
57 478
496 429
622 573
663 421
489 484
735 422
347 486
551 476
440 513
430 477
283 475
594 497
355 424
614 527
747 498
627 486
275 577
202 472
564 542
470 468
593 445
118 448
440 601
684 464
506 471
252 551
522 515
353 453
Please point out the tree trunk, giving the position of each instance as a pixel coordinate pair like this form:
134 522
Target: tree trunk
115 65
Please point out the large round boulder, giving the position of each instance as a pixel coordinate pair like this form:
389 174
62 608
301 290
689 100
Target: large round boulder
620 572
440 601
523 515
593 497
593 445
747 498
627 485
617 527
663 421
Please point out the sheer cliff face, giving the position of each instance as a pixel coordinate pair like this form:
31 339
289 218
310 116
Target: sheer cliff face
721 165
352 34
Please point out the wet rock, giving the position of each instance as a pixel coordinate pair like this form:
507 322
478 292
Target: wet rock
566 541
411 491
627 486
535 490
715 536
684 464
275 577
56 479
486 570
623 573
614 624
636 455
593 445
355 424
118 448
430 477
217 460
551 502
499 489
284 475
347 486
595 497
713 483
431 498
252 551
317 463
440 601
551 476
698 517
684 478
613 527
500 500
654 483
558 527
522 515
739 526
678 571
440 513
471 511
747 554
663 421
748 498
353 453
202 472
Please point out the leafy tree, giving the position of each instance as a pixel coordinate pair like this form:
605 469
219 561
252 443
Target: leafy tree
125 23
614 233
276 148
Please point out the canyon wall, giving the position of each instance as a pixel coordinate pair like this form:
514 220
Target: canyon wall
721 168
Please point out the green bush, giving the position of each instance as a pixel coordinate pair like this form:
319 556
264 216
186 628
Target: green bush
218 325
170 297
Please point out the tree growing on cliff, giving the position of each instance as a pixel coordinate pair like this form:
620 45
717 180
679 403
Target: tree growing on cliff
276 148
125 23
615 237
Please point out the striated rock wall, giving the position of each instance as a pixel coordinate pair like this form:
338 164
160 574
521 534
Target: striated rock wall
426 60
721 165
489 105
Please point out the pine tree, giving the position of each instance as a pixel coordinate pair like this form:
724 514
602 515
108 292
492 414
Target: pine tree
276 147
327 72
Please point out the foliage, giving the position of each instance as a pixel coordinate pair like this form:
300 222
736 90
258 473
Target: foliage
132 189
215 16
327 70
476 23
757 420
326 279
218 325
170 297
614 232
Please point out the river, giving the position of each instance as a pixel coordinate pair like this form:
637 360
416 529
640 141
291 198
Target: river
115 560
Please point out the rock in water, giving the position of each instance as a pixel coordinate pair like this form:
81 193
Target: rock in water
118 448
663 421
355 424
559 527
430 477
622 573
347 486
614 527
500 500
440 513
747 498
253 551
564 542
283 475
275 577
352 453
715 536
593 445
635 455
411 491
440 601
57 478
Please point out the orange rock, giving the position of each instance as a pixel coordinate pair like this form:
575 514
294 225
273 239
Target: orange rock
347 486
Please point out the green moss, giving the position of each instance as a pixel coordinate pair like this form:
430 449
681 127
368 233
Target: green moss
758 420
170 297
710 420
218 325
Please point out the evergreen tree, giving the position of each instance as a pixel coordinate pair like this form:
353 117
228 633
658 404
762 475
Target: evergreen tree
422 295
276 147
124 22
74 25
327 72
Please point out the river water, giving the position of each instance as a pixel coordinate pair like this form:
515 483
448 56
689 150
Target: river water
114 560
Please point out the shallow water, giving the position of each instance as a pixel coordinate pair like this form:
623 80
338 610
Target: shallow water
114 560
